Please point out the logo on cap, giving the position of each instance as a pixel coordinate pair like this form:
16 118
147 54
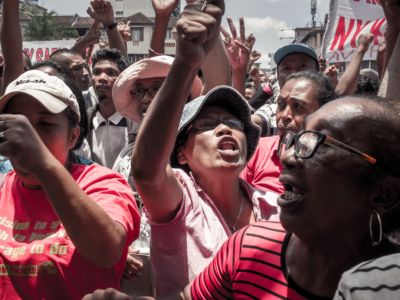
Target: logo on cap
29 81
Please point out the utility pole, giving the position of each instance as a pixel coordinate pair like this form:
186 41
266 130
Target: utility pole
313 12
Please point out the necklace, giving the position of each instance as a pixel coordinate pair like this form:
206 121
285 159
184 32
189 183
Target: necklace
233 228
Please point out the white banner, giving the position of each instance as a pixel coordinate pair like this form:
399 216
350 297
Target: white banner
41 50
347 19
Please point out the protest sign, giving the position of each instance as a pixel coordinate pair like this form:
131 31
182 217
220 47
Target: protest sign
41 50
347 20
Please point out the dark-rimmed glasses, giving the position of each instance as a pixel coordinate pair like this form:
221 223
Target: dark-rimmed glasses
140 92
306 143
205 124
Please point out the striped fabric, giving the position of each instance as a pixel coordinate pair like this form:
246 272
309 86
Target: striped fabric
374 279
249 266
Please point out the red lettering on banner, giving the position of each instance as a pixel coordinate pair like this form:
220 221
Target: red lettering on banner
46 54
341 34
359 28
376 29
39 54
339 56
29 52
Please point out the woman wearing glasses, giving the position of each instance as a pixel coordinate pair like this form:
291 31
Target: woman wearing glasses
192 213
340 207
202 201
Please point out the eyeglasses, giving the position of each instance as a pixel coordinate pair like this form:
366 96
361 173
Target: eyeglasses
140 92
306 143
205 124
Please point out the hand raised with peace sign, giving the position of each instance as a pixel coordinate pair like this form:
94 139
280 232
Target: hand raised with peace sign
238 46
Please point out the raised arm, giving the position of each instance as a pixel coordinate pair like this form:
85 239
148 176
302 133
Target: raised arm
216 68
198 30
102 11
390 87
11 42
90 38
347 84
392 15
163 10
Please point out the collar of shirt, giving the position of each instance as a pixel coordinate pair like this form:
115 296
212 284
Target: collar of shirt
256 196
98 119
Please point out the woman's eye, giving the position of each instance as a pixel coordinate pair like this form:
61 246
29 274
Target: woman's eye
46 124
298 107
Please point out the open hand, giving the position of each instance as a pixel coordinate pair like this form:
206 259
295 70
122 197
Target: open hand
164 7
102 11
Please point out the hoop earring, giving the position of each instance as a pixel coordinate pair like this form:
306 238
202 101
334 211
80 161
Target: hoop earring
375 240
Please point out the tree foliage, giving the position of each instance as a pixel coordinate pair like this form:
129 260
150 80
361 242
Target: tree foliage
43 26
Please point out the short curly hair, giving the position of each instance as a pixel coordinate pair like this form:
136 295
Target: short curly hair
113 55
324 90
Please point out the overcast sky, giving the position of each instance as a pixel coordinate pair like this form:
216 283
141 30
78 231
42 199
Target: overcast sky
264 18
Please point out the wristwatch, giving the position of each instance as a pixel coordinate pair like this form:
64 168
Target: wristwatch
111 26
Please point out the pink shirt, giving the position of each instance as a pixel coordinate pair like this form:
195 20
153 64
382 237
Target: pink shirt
38 259
182 248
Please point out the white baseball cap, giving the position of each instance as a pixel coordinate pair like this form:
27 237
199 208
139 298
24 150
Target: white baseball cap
49 90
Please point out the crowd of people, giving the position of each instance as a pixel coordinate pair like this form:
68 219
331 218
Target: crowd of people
198 176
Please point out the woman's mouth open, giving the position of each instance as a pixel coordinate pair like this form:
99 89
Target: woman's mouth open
291 197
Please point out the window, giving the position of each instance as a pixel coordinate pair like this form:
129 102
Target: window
119 7
137 34
169 34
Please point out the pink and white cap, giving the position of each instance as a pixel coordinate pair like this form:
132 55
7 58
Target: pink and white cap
154 67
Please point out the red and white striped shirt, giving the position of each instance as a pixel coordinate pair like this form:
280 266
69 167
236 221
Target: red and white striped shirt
250 265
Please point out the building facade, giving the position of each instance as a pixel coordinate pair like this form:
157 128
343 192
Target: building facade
140 13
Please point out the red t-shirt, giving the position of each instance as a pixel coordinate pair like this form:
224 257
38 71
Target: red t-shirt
263 169
37 258
250 265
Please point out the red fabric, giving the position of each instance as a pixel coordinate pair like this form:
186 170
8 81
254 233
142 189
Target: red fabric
37 258
268 90
248 266
264 168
